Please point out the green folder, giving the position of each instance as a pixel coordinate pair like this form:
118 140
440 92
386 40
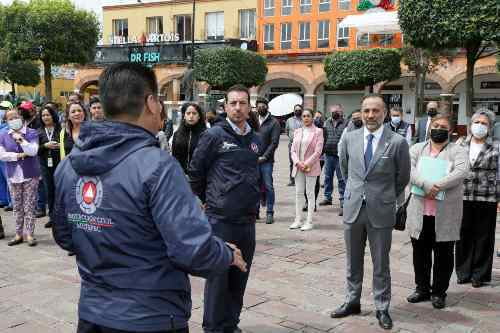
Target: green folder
431 170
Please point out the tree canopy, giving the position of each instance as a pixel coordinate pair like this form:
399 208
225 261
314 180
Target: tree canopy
362 67
54 32
224 67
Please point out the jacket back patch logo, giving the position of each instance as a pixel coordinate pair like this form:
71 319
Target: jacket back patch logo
254 148
89 194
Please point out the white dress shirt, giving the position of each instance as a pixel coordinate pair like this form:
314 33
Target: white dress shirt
263 119
237 129
377 135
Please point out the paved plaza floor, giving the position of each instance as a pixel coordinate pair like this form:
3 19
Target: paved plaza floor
296 280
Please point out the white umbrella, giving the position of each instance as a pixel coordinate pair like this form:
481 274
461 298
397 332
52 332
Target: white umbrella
283 104
375 21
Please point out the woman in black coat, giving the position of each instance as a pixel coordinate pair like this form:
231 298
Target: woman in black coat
186 137
49 154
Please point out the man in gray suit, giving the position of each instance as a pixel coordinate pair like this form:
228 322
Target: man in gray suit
423 124
375 163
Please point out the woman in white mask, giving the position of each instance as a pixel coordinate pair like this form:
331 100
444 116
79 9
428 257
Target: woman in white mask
475 250
19 148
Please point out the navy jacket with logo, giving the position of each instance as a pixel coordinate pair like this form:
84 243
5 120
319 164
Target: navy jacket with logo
125 208
224 173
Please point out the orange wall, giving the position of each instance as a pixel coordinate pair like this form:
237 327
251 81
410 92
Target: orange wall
335 15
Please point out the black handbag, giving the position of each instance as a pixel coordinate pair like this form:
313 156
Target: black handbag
401 216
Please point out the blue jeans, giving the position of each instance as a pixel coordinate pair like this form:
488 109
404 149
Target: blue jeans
266 177
332 167
41 197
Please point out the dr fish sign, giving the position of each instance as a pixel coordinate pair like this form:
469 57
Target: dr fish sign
145 56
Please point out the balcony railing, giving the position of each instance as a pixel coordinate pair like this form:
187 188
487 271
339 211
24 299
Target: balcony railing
157 53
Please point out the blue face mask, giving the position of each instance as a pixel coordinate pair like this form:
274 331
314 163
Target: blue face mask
396 120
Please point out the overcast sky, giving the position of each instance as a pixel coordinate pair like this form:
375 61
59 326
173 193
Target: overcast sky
94 5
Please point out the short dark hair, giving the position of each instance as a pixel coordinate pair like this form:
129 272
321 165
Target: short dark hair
124 88
238 88
374 95
53 114
298 105
94 100
396 108
310 112
262 100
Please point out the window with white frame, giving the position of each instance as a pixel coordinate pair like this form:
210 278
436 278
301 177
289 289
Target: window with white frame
363 40
343 37
183 27
324 5
286 7
269 37
386 39
323 34
247 23
214 26
345 4
286 36
304 35
305 6
268 7
154 25
120 28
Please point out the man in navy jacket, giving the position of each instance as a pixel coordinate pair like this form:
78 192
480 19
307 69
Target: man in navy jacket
224 174
124 208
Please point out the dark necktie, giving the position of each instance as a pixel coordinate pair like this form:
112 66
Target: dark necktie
369 151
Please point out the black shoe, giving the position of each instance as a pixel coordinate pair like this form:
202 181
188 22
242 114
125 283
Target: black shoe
477 284
345 310
8 209
40 214
463 281
291 183
315 208
269 219
341 211
14 242
304 209
70 254
48 224
233 330
384 320
2 233
438 302
326 202
418 297
258 216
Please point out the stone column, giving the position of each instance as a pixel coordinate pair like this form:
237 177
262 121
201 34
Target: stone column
310 101
176 90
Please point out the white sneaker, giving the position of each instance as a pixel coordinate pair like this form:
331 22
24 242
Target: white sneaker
296 225
307 226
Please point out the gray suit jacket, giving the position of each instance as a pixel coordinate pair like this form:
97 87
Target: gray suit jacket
421 129
380 185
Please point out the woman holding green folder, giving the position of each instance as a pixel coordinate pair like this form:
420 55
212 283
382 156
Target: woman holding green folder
475 250
438 169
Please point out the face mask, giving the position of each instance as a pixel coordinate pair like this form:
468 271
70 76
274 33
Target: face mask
396 120
15 124
432 113
357 123
479 130
335 116
297 113
439 135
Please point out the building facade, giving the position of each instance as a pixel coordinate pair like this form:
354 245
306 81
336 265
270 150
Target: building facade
160 34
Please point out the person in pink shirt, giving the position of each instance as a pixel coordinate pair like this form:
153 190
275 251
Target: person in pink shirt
434 225
306 150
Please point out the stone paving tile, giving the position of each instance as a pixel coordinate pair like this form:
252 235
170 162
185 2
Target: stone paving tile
296 280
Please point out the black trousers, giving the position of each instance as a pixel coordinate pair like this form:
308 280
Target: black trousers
290 158
88 327
474 251
423 249
224 292
48 182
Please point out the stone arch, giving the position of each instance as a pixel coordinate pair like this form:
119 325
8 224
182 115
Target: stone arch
463 75
165 81
81 83
316 84
287 76
445 86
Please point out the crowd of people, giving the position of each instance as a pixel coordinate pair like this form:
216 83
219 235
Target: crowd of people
141 205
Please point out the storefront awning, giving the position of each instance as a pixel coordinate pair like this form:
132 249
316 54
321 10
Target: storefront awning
374 22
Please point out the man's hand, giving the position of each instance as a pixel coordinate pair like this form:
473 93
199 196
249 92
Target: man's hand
238 258
262 159
434 192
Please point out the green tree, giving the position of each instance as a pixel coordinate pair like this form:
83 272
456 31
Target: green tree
51 31
24 73
438 24
223 67
362 67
